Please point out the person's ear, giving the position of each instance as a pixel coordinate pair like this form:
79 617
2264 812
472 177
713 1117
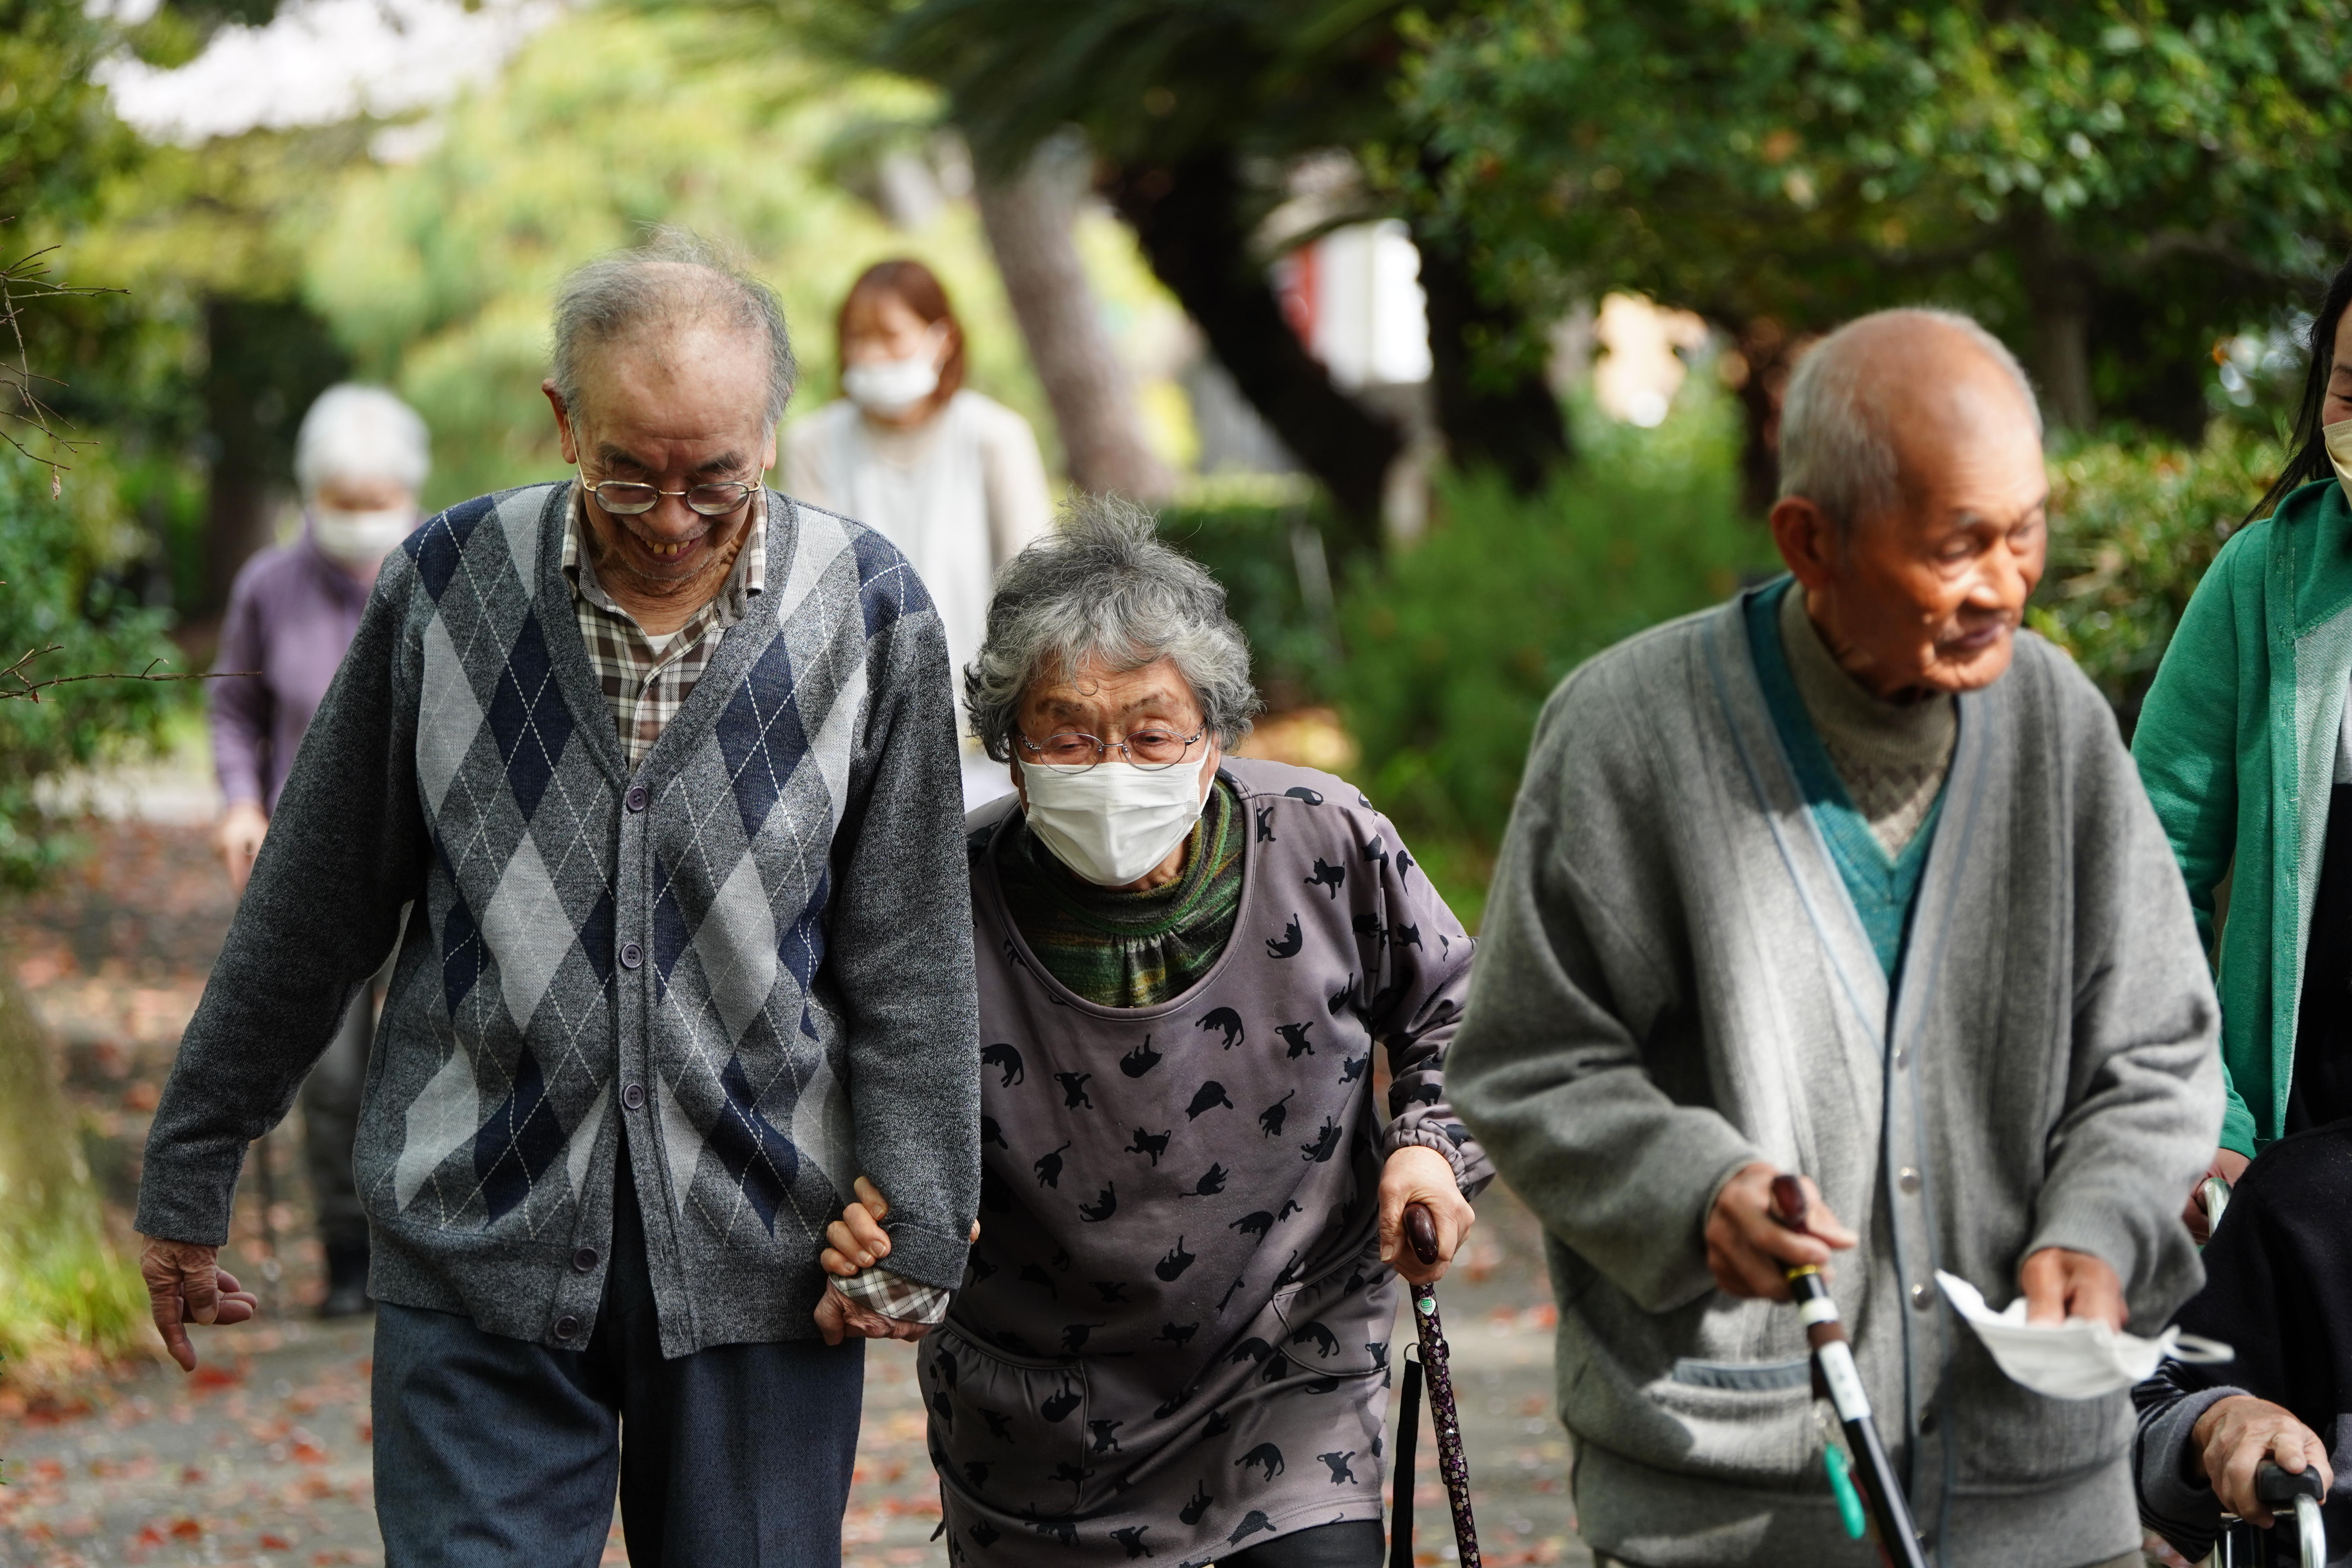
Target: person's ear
569 439
1809 541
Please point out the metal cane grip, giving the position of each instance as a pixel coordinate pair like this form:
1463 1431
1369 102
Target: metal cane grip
1421 1233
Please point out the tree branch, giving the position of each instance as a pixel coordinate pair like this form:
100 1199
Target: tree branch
30 691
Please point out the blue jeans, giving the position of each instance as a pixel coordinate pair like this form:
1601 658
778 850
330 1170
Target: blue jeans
497 1453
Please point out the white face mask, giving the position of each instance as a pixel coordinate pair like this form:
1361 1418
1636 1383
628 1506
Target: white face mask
890 386
2078 1359
359 538
1115 821
2338 437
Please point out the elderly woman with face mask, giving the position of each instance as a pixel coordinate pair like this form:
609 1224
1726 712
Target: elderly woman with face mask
950 476
1173 1337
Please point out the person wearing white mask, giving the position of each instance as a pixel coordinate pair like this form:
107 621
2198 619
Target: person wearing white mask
2244 747
1191 1191
360 460
951 477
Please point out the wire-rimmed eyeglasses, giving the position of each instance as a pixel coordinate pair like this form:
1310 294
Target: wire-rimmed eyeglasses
627 498
1151 749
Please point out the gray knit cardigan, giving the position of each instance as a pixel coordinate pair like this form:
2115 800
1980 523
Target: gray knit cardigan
750 956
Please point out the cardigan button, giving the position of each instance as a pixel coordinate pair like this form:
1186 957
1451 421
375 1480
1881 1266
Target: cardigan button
631 955
566 1327
1908 1178
637 797
1922 1297
634 1097
585 1259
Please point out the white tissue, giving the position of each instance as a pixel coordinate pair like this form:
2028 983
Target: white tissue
2078 1359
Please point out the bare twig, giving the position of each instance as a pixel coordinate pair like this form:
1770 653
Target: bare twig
30 690
25 279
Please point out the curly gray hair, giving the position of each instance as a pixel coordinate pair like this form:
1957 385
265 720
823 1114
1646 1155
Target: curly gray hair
1102 587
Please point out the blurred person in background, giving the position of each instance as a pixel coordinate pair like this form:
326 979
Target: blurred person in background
1850 878
361 460
950 477
1173 1340
2245 745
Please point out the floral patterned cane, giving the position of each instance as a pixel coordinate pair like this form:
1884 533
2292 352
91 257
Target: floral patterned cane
1421 1232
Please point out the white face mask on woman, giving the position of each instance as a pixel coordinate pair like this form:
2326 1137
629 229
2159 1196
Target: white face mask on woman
2338 437
892 387
359 538
1113 821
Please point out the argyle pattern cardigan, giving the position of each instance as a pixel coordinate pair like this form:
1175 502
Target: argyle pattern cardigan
750 956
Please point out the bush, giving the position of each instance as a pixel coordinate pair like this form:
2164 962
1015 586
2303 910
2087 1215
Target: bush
55 591
2132 525
1250 538
1454 644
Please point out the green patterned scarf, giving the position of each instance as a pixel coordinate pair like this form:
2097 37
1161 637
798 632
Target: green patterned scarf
1129 949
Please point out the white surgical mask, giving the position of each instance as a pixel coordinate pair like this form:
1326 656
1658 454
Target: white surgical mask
359 538
2338 437
888 387
1114 821
2078 1359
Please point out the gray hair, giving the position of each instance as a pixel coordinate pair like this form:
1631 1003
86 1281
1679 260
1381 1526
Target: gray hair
1103 587
355 432
617 295
1834 449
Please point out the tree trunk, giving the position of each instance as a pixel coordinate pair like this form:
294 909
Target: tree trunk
1189 218
1768 353
1028 221
266 360
43 1178
1502 417
2059 289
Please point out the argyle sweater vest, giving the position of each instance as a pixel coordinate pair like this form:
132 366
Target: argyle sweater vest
750 955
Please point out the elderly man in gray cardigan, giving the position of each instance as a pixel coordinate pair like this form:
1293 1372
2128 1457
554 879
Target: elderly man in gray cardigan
661 767
1849 878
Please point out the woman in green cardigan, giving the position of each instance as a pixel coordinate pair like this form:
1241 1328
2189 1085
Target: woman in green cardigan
2243 746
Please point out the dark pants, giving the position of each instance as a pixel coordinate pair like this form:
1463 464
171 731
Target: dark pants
496 1453
1356 1544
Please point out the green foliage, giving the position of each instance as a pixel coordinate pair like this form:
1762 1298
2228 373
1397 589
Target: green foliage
66 1291
2133 524
1251 542
55 591
1807 160
1453 647
439 275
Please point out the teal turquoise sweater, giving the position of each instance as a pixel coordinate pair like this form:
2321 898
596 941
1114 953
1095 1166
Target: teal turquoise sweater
2237 735
1883 887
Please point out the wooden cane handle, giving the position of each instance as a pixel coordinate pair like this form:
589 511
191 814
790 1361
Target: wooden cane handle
1421 1233
1789 1205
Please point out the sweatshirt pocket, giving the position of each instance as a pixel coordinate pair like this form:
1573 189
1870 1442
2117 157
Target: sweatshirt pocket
1017 1433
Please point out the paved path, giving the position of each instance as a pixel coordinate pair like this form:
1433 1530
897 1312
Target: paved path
262 1459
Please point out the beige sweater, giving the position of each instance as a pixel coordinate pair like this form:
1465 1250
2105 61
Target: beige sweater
1892 757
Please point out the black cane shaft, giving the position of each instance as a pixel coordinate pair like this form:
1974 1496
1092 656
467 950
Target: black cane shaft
1833 1361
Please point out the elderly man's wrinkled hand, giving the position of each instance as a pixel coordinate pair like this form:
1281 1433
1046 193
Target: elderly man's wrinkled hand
1749 1253
2236 1434
839 1318
2060 1284
185 1285
1411 1175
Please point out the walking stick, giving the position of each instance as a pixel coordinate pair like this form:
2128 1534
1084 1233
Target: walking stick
1834 1373
1420 1234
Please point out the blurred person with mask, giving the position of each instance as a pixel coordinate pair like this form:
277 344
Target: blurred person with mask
2245 744
361 460
951 477
1192 1178
1851 879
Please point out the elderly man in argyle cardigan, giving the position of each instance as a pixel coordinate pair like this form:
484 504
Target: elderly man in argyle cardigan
660 768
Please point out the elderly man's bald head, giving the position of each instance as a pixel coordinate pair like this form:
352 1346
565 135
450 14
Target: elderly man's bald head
1911 499
1866 400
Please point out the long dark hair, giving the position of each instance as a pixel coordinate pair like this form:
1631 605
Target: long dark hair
2310 460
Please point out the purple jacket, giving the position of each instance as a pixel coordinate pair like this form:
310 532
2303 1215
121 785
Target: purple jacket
291 614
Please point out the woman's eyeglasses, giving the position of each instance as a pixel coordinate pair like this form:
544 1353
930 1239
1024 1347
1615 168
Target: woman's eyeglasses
1149 749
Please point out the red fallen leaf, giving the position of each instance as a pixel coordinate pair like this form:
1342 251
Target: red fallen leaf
212 1375
190 1476
48 1471
309 1453
186 1530
276 1543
